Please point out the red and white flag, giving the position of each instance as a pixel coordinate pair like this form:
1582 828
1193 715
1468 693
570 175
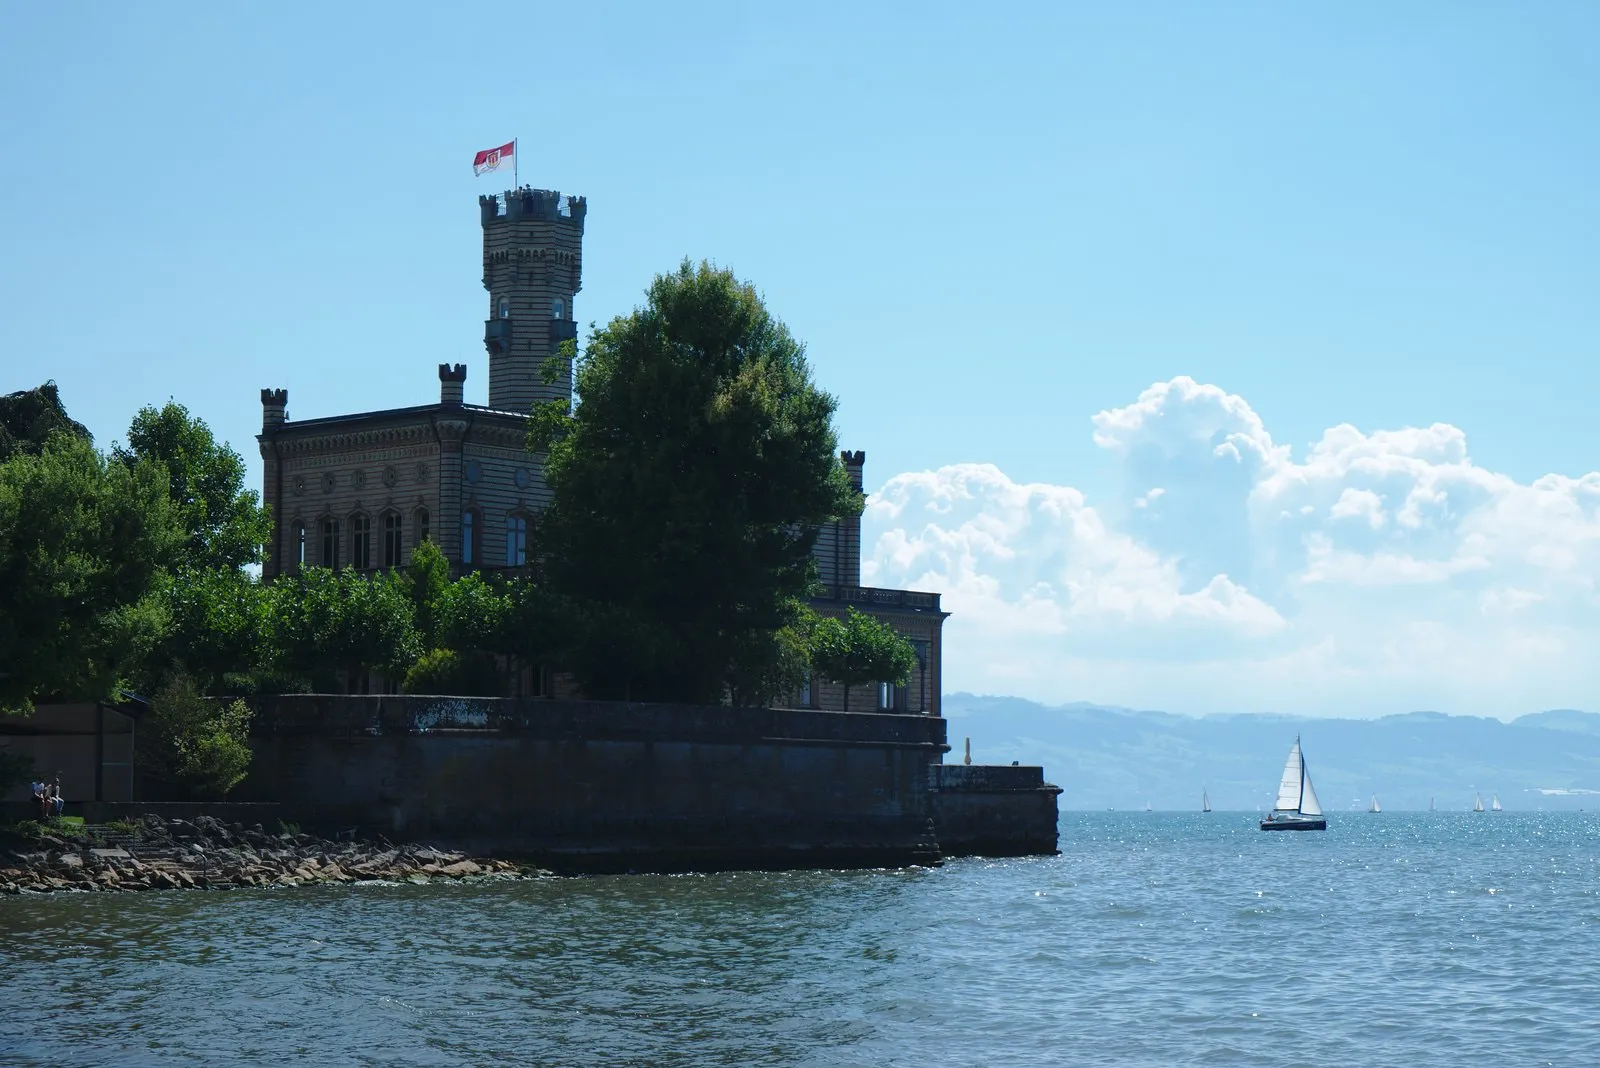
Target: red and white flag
491 158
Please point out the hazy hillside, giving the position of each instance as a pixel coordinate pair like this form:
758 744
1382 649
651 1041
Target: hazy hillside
1117 757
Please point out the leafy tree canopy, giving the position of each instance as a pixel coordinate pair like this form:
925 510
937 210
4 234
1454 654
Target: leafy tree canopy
217 627
686 488
82 544
860 649
28 418
322 619
226 524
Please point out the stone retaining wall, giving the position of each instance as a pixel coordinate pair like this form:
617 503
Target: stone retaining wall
601 786
993 810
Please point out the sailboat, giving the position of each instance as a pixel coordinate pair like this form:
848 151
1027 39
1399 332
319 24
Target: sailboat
1494 806
1147 807
1477 803
1205 801
1430 804
1375 807
1297 807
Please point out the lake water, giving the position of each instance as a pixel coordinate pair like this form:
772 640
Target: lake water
1154 939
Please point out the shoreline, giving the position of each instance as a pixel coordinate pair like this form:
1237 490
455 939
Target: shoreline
153 853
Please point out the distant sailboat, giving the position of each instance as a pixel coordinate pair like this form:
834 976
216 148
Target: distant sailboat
1147 807
1477 803
1494 805
1375 807
1297 807
1430 804
1205 801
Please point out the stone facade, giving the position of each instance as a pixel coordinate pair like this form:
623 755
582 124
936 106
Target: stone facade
364 490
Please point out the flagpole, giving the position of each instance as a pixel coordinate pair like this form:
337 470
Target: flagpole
516 157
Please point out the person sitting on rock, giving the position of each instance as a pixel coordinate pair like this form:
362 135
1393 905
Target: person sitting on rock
58 803
41 799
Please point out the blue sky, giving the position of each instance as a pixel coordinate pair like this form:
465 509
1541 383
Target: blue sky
989 224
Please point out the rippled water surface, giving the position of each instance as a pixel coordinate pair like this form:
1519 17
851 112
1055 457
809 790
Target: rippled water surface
1154 939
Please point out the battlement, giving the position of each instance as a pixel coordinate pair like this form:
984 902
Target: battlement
273 403
452 384
853 463
526 204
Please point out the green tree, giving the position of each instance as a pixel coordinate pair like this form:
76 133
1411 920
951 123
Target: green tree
770 664
28 418
323 620
474 614
200 747
686 488
82 545
425 581
858 650
226 524
217 627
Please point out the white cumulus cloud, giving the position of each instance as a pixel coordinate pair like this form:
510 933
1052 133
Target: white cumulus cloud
1381 571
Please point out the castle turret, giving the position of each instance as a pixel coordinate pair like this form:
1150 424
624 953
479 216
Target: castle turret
850 526
273 404
452 384
532 268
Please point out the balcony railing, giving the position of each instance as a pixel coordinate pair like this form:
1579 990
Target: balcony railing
871 595
562 330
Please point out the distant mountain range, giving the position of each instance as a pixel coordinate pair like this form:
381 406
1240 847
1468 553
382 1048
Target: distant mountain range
1106 757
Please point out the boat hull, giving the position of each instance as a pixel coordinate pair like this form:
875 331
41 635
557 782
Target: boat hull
1296 824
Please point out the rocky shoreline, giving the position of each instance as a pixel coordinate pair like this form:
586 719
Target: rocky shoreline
206 853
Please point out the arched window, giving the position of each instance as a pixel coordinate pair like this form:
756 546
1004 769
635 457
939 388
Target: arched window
420 523
505 309
360 542
330 543
558 309
393 546
516 540
469 537
297 549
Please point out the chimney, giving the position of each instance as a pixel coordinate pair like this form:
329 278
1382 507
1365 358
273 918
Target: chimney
273 402
452 384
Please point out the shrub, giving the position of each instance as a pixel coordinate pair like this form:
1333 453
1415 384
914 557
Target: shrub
445 671
197 745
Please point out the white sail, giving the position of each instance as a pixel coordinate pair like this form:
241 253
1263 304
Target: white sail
1495 804
1289 786
1430 804
1375 806
1477 803
1309 805
1205 801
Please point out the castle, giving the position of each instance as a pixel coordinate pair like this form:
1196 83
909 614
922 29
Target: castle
363 490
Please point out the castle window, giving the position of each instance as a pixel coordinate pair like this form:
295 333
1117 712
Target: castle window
360 542
421 526
888 696
505 309
469 537
806 699
558 309
392 544
299 546
330 543
516 540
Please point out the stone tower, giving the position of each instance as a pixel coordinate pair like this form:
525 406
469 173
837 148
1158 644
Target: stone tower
532 268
